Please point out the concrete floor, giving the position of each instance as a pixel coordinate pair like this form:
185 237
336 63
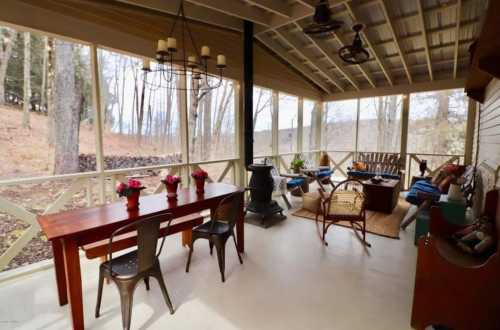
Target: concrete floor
288 281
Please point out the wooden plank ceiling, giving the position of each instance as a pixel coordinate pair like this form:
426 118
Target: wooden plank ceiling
411 42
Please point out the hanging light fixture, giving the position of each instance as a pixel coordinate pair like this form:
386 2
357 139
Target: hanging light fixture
323 23
173 62
355 53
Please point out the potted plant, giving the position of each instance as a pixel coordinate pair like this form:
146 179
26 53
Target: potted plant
297 164
199 177
172 183
131 190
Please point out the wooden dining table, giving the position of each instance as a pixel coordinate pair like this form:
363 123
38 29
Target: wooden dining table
70 230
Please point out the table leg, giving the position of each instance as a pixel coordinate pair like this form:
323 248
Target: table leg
240 233
74 282
57 251
187 236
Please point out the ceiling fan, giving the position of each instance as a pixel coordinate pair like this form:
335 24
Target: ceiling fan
355 53
323 24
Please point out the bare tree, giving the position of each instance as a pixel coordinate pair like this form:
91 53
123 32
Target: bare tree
50 91
7 41
43 88
67 103
27 80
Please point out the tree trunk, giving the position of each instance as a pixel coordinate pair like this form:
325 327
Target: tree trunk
27 80
193 115
67 103
441 131
6 46
140 115
50 92
207 126
43 88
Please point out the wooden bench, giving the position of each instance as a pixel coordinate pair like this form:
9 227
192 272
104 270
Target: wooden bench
183 224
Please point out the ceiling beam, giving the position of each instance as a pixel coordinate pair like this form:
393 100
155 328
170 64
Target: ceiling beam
370 46
271 44
193 12
426 40
278 7
320 45
457 38
313 62
308 3
442 29
399 89
396 41
237 9
300 11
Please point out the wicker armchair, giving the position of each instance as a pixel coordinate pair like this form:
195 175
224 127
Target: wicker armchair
346 202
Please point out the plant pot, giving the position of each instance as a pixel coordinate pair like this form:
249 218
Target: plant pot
200 185
171 189
133 200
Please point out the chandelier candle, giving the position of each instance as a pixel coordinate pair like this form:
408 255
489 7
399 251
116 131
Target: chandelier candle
171 44
145 65
205 52
162 45
221 61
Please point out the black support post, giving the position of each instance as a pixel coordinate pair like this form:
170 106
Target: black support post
248 89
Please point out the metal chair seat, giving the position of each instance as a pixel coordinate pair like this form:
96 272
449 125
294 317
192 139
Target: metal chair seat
125 266
215 227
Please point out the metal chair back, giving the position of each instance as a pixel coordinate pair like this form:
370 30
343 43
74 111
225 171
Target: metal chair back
227 210
148 232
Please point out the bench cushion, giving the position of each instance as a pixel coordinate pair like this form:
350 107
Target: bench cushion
127 240
369 175
325 173
420 189
295 183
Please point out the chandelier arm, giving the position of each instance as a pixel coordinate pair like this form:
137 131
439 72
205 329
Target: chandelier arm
180 11
192 39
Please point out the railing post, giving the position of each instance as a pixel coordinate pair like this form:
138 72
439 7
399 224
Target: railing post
183 108
239 170
405 115
99 123
300 125
357 129
275 128
469 133
319 108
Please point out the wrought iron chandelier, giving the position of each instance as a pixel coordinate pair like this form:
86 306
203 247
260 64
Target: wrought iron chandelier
173 62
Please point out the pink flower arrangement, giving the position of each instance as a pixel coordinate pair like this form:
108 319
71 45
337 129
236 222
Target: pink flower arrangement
199 175
172 179
126 189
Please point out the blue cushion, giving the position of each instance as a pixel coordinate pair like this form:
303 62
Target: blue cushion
295 183
424 187
324 173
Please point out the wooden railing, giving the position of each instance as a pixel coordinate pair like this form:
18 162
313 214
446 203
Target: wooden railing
97 187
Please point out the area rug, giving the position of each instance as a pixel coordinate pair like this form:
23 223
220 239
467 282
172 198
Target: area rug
382 224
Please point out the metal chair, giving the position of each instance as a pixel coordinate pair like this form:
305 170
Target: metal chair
218 230
128 269
346 202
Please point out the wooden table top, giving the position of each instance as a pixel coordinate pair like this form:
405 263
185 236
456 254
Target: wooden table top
79 221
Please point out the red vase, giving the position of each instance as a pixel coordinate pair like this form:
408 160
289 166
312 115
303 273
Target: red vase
172 190
200 185
133 200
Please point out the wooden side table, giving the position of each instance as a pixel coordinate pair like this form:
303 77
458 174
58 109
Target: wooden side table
383 196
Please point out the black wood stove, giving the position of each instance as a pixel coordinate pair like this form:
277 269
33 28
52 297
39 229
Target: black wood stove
261 189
